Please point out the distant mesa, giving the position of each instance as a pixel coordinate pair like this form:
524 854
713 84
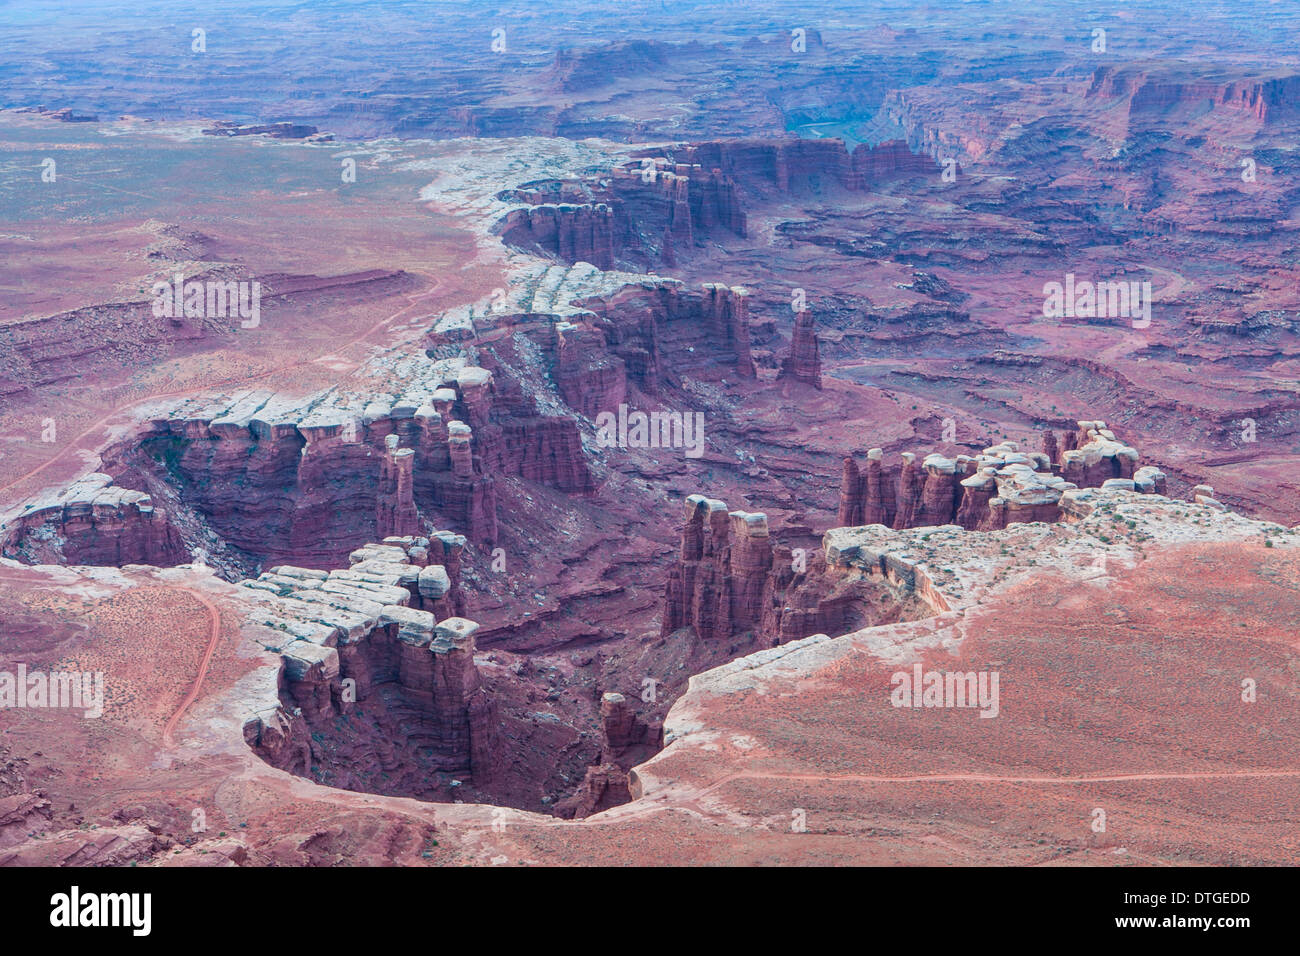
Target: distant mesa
271 130
1158 89
65 115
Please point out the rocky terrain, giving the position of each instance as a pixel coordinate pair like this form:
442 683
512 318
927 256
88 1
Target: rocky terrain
625 410
793 752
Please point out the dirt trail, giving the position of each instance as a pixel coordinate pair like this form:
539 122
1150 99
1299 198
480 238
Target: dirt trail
690 802
995 778
214 637
1131 342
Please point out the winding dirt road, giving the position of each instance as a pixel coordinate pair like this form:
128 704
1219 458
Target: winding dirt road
214 638
994 778
690 802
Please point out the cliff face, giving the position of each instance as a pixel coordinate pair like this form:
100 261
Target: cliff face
96 523
664 331
1154 94
655 225
395 512
867 494
570 232
652 211
889 161
643 217
591 376
300 480
295 490
373 683
802 166
804 363
1096 456
731 580
708 587
626 740
646 336
303 481
1000 486
781 165
660 207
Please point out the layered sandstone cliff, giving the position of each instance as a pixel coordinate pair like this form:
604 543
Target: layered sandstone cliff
370 647
305 479
652 211
1000 486
92 522
571 232
647 214
626 740
947 567
800 166
804 363
717 583
661 208
661 332
732 581
1158 92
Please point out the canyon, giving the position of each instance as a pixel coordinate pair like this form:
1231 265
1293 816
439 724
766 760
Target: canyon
371 583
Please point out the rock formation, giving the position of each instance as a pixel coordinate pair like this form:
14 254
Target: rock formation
368 637
568 231
626 740
941 490
804 363
625 737
852 495
1164 91
652 211
304 479
909 492
660 332
1097 456
717 583
867 494
726 316
1000 486
731 580
802 165
941 565
888 161
92 522
395 499
660 208
1204 495
1051 449
591 376
648 214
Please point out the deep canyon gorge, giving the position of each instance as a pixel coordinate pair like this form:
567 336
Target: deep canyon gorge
373 579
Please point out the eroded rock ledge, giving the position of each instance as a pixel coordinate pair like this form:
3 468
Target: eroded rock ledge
732 581
91 522
383 635
284 478
991 490
963 577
